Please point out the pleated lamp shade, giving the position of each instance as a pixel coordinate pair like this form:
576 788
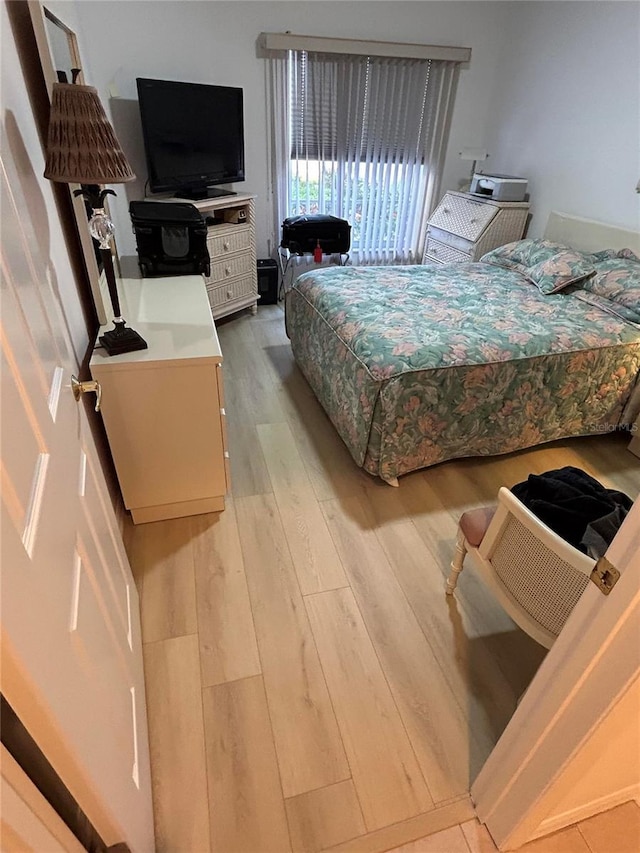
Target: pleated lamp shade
82 147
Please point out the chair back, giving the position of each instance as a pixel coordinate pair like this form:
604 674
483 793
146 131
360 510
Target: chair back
542 575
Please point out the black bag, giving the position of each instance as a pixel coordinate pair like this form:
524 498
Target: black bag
302 234
171 238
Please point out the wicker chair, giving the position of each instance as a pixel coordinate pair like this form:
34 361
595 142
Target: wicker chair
535 575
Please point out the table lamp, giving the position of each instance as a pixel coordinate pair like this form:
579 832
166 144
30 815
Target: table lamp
82 149
476 155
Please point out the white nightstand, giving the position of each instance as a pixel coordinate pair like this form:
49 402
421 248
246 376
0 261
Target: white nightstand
463 227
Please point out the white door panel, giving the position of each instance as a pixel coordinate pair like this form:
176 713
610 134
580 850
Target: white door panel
70 618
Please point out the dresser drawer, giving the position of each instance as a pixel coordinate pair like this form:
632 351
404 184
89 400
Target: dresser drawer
228 241
230 267
450 239
231 290
463 216
444 254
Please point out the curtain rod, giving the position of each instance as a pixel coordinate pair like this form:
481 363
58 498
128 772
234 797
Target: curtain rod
358 47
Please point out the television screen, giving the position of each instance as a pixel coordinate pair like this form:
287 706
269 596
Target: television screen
193 136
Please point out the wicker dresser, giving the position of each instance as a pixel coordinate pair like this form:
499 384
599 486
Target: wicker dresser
463 227
231 240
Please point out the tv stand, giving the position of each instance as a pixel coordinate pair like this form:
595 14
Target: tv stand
231 240
202 194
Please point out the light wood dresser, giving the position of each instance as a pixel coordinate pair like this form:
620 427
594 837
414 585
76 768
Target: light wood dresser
163 407
463 227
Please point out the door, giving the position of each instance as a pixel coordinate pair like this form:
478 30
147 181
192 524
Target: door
71 645
28 821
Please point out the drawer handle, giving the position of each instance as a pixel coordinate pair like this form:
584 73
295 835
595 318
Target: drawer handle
446 210
227 271
434 251
229 294
225 246
473 220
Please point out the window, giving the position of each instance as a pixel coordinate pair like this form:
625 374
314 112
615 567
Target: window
362 137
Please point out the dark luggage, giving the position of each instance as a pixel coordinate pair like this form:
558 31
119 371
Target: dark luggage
171 238
303 233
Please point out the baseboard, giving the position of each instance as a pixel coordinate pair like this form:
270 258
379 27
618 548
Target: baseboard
602 804
163 512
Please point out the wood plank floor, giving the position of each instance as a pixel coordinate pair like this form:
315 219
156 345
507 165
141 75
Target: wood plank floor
309 685
613 831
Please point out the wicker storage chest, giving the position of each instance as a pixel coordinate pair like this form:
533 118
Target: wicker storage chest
463 227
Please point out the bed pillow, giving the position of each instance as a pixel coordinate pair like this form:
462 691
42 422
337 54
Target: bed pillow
608 254
617 278
523 253
619 311
550 266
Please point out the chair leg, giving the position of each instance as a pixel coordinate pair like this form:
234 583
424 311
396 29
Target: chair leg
457 564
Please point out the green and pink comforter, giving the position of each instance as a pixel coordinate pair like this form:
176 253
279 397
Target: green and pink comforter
418 364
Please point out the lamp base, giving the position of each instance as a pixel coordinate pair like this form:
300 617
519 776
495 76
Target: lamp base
122 339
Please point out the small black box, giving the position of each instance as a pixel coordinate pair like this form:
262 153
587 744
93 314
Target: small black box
268 282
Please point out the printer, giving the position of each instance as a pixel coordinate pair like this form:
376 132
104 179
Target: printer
499 187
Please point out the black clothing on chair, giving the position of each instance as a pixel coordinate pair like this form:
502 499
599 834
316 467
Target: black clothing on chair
575 506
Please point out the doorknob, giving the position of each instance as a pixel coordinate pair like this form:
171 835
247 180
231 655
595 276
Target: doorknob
91 386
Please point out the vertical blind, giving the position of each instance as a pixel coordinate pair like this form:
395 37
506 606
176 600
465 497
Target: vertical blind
363 138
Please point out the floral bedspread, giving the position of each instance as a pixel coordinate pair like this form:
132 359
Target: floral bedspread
418 364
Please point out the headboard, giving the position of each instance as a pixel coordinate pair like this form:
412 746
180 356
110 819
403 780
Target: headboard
588 235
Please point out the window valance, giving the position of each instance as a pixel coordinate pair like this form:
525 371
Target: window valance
279 42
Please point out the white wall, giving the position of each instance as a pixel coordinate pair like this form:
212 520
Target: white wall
215 42
566 113
604 773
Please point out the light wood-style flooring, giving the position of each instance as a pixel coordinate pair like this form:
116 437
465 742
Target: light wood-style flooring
309 685
614 831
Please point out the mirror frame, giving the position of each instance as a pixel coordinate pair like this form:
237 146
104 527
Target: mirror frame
41 17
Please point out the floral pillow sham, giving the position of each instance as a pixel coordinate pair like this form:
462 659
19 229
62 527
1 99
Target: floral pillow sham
623 313
617 279
549 265
611 254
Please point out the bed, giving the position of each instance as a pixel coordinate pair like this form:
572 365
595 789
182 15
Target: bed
415 365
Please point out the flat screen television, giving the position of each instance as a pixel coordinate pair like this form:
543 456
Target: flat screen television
193 136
